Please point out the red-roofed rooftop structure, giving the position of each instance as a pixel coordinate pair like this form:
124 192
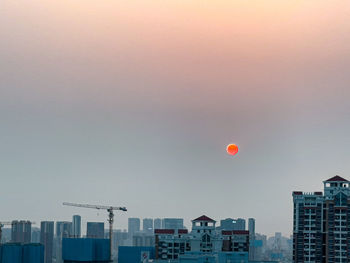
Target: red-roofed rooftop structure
336 178
203 218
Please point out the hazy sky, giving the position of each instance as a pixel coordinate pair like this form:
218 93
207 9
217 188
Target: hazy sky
133 102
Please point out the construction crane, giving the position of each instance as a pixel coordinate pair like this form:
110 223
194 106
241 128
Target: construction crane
2 224
110 219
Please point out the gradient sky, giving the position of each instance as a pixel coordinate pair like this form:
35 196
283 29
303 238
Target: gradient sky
133 103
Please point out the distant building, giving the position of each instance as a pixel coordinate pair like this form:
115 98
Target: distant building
133 226
252 244
321 223
64 229
278 241
147 225
21 231
46 239
157 223
35 235
76 225
120 238
143 240
173 223
95 230
6 235
251 227
232 224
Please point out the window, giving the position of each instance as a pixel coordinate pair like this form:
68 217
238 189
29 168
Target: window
206 238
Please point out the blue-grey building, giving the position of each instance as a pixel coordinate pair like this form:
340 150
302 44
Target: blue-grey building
46 239
232 224
147 225
133 226
173 223
64 229
35 235
95 230
76 226
157 223
21 231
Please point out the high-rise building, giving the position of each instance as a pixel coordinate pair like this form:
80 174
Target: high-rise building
321 223
173 223
63 229
251 229
232 224
133 226
21 231
76 226
95 230
46 239
251 226
157 223
147 225
35 235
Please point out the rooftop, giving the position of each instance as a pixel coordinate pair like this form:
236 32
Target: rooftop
336 178
204 218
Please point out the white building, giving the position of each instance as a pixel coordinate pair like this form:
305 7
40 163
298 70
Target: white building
202 243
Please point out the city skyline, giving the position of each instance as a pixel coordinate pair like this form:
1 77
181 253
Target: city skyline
132 104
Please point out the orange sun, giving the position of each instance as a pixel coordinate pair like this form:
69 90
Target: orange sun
232 149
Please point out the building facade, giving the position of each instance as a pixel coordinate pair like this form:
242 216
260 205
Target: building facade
95 230
63 229
232 224
251 229
204 239
143 240
133 226
173 223
76 225
46 239
147 225
322 222
21 231
157 223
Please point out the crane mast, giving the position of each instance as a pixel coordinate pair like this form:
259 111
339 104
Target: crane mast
110 219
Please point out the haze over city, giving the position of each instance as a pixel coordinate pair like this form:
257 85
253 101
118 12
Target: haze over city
132 103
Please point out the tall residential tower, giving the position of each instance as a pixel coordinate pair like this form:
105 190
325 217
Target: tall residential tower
322 222
76 226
